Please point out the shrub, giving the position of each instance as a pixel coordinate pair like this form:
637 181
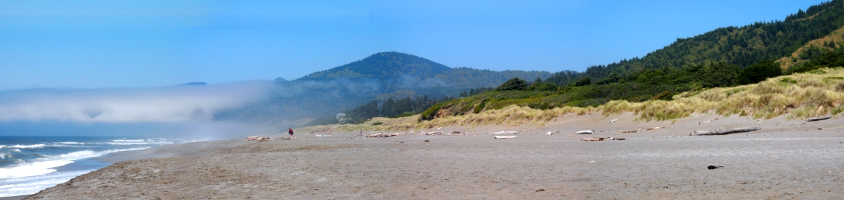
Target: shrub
760 71
513 84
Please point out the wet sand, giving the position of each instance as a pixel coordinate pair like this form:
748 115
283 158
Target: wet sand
787 159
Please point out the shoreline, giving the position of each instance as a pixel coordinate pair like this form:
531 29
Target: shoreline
77 167
13 197
782 160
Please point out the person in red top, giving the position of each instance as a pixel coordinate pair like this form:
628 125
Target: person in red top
290 130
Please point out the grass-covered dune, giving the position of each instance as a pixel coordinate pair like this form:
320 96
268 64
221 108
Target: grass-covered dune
816 93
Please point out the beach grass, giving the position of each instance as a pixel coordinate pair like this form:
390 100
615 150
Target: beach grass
816 93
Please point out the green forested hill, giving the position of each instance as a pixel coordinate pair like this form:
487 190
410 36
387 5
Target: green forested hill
740 46
721 58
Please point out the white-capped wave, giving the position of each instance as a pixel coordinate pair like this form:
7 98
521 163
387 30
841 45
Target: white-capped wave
78 143
33 184
46 165
21 146
139 142
37 146
125 140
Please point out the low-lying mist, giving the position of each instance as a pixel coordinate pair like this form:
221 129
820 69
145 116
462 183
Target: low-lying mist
121 105
180 111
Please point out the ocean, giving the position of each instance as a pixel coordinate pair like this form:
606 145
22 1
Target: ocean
29 164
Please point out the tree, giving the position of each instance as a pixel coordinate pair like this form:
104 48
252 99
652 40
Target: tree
543 86
720 75
513 84
760 71
389 107
583 81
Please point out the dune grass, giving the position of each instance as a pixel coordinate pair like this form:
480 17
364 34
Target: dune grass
815 93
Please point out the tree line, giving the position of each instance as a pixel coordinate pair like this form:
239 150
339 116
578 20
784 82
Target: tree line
388 108
741 46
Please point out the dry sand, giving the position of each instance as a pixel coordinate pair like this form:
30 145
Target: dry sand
787 159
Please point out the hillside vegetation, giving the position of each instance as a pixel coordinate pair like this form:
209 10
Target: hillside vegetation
740 46
818 93
647 84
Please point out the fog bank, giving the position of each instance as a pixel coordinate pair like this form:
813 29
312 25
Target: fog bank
126 105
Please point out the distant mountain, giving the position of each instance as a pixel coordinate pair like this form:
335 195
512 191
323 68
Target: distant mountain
377 77
280 80
383 65
194 84
403 71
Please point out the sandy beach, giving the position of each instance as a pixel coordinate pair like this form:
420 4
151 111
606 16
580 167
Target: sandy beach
786 159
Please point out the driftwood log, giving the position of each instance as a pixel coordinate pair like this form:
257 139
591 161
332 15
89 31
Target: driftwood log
585 132
723 132
817 119
601 139
640 129
504 132
259 138
707 121
382 135
504 137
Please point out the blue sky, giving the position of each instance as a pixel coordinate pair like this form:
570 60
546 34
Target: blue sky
150 43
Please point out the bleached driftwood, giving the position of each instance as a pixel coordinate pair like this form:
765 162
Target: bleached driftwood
431 133
817 119
382 135
586 132
601 139
322 135
259 138
504 137
504 132
551 133
707 121
640 129
723 132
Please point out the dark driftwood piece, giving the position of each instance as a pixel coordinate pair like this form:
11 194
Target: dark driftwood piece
724 132
817 119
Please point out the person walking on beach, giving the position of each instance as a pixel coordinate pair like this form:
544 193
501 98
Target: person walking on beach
290 130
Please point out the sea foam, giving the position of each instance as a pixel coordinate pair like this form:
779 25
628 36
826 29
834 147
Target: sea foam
47 165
